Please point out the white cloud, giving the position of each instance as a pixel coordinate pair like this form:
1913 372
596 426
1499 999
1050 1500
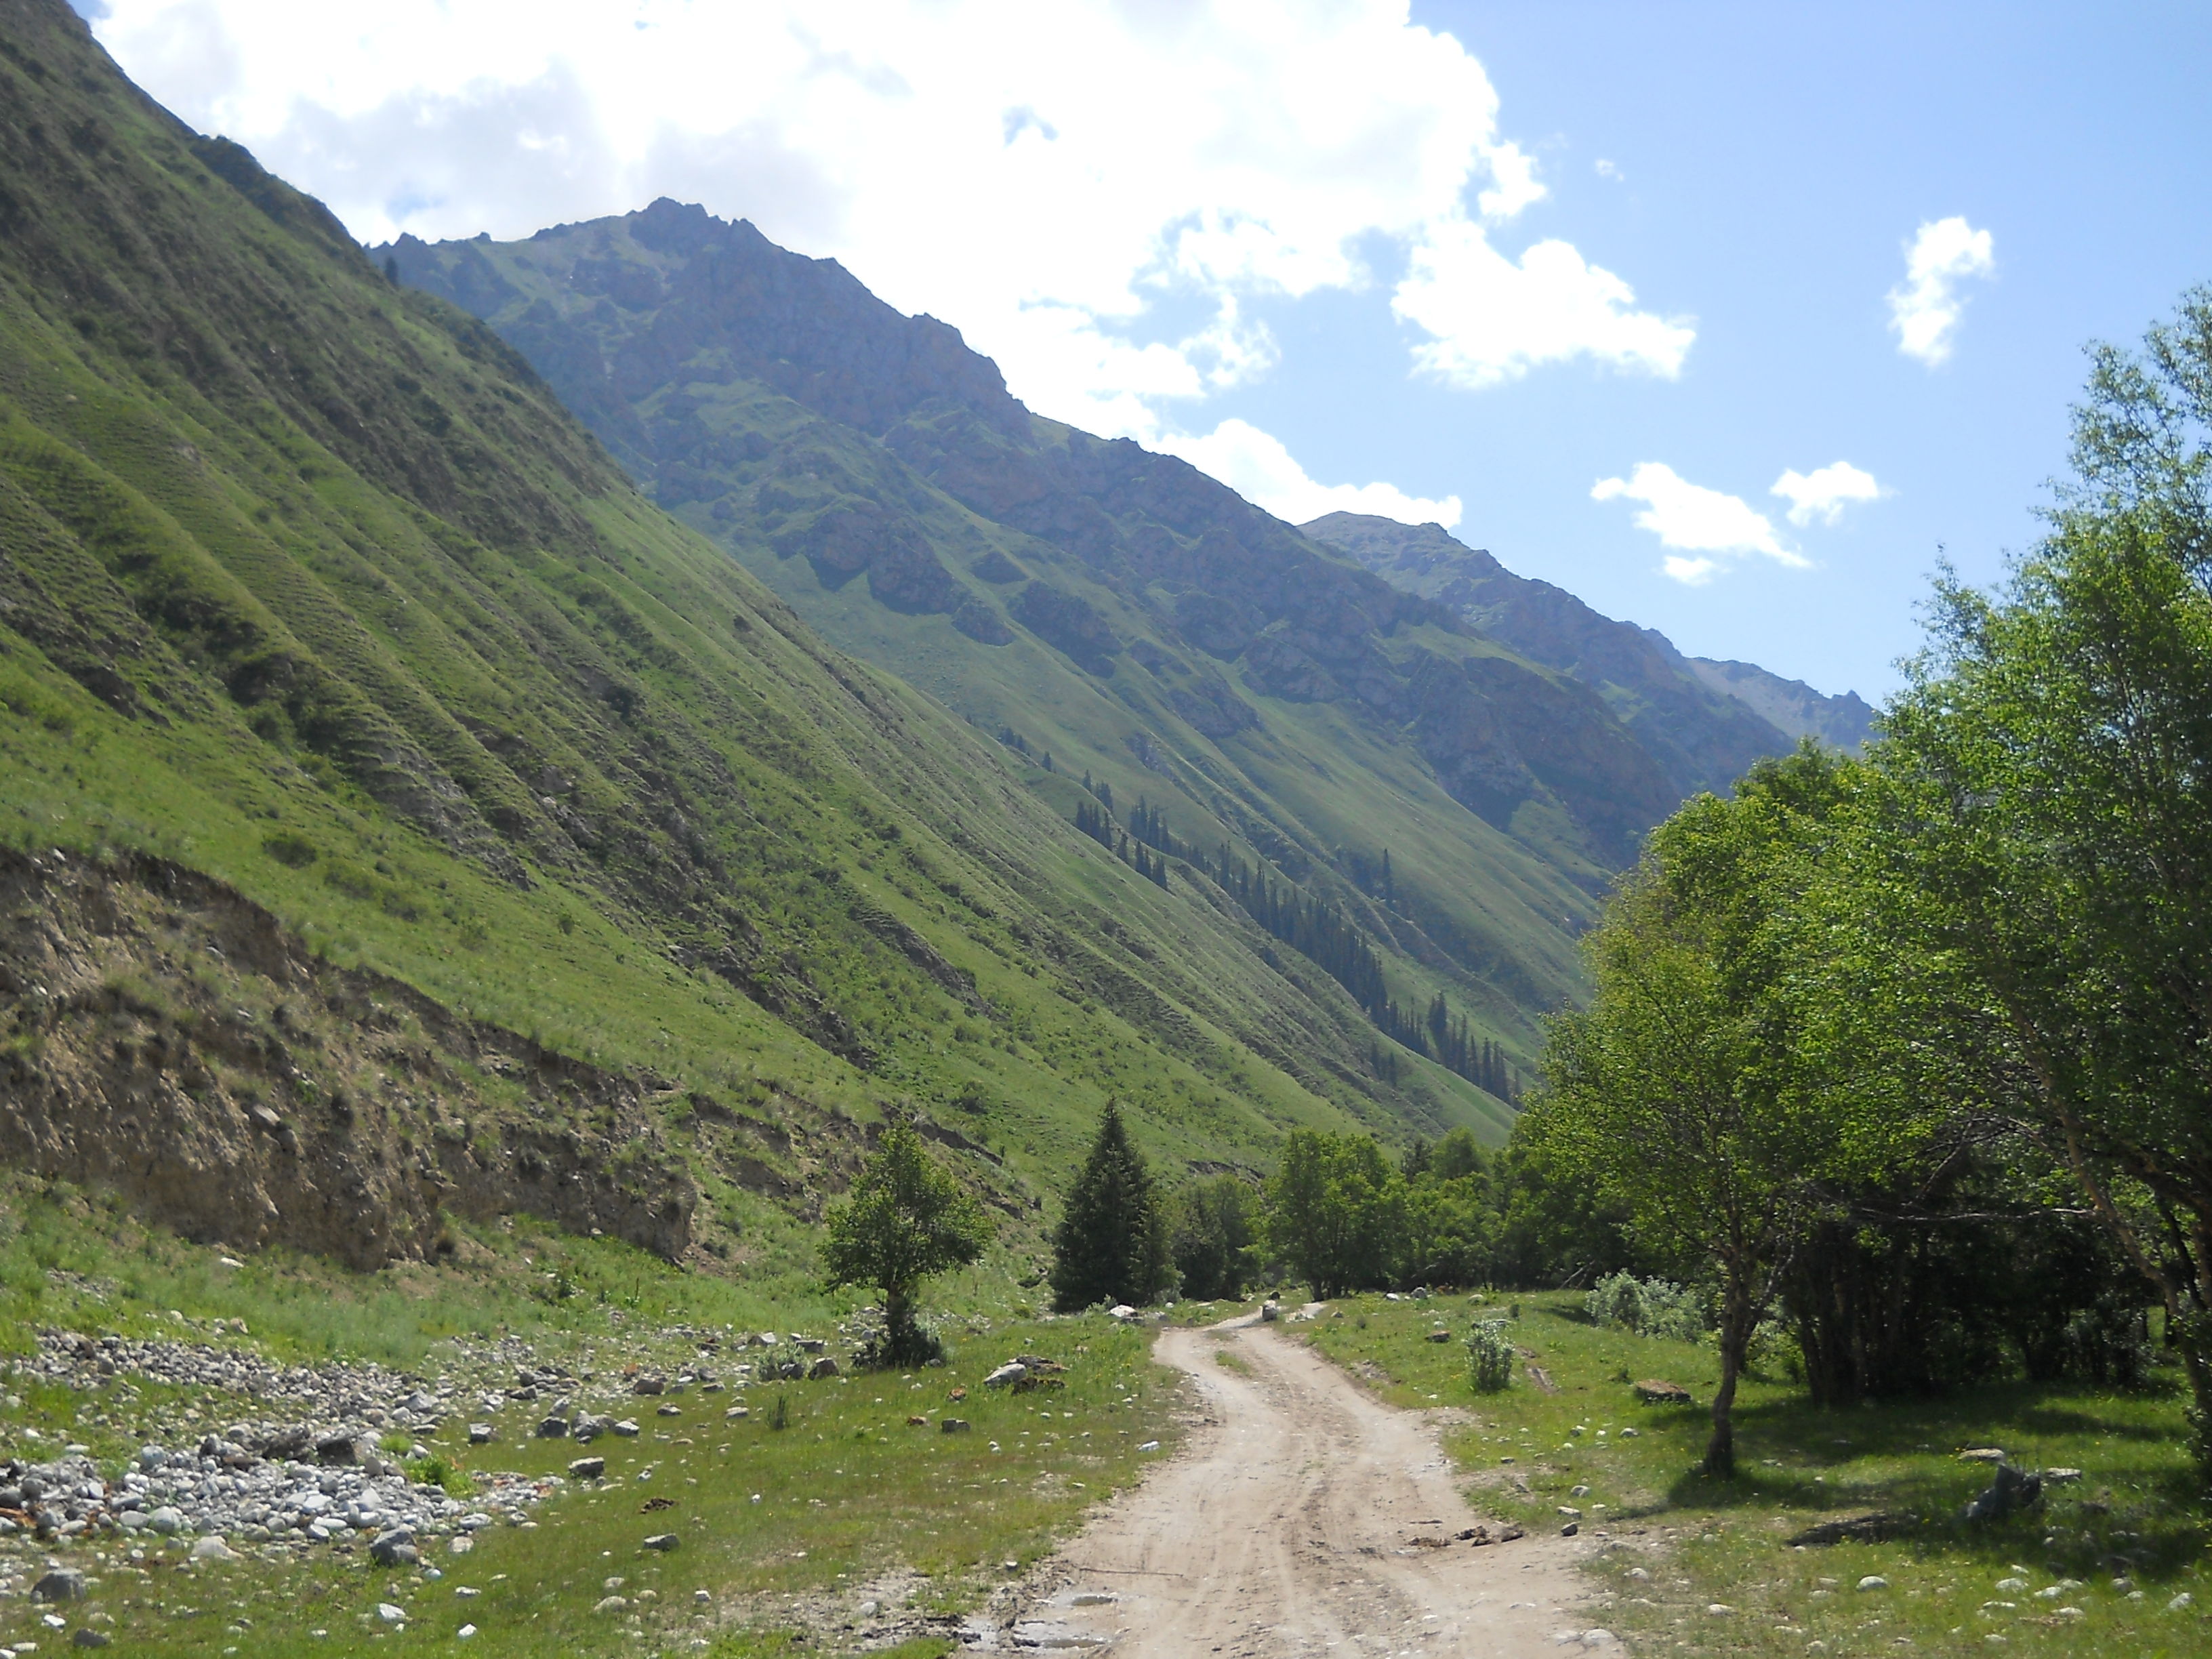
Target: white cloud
1924 309
1256 466
1492 319
1825 492
1515 171
1057 181
1693 519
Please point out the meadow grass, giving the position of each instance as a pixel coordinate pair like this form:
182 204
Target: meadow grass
1697 1565
787 1529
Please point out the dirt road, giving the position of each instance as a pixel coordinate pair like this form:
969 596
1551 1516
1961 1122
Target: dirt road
1286 1526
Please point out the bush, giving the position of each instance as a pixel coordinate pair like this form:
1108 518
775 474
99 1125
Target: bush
435 1471
1489 1357
1649 1307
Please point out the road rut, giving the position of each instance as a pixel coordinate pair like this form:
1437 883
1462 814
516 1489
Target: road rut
1286 1526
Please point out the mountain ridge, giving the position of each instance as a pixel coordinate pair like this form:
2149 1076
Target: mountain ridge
1696 713
1089 599
312 590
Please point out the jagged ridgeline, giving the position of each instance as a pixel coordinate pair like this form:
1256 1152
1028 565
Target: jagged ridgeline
319 609
1115 616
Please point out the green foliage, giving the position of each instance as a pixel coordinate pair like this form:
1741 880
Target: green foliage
1452 1226
2052 763
1489 1357
1213 1239
435 1471
1112 1244
1649 1307
1336 1212
1713 1089
906 1220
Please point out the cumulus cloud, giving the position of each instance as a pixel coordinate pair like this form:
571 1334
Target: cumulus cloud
1100 195
1825 492
1492 319
1925 308
1706 528
1256 466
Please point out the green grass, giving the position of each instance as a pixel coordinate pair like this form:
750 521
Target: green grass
850 1493
312 587
1686 1543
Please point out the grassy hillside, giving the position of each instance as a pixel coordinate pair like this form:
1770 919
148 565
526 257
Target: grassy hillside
311 592
1244 696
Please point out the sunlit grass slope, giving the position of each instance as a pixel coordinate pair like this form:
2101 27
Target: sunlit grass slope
310 584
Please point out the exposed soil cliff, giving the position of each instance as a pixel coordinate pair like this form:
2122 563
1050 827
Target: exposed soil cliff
161 1036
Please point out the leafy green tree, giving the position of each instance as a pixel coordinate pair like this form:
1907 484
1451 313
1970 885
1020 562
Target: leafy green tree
1715 1087
1451 1230
2052 759
1111 1245
1336 1211
905 1220
1213 1238
1457 1156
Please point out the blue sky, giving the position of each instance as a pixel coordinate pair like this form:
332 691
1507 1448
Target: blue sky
1583 279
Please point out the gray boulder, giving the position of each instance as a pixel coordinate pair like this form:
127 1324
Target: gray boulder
60 1585
394 1548
2013 1489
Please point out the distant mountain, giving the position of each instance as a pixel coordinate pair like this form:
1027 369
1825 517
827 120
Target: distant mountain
1447 791
401 815
1704 722
1844 721
1265 702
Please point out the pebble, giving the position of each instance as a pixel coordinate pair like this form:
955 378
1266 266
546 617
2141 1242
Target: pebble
1874 1581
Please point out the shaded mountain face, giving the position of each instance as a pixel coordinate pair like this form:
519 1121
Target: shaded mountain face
1270 705
350 682
1704 723
1844 721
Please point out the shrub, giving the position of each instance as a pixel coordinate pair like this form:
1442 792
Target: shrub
1649 1307
1489 1357
435 1471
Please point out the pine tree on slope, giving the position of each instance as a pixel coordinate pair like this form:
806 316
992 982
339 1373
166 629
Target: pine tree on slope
1111 1245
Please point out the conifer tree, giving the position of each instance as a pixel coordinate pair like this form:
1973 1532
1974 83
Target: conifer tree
1111 1245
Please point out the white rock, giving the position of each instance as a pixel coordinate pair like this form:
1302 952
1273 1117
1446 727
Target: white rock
391 1614
2183 1600
1874 1581
212 1548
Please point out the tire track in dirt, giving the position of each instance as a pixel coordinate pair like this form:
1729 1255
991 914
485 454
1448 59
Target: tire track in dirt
1285 1527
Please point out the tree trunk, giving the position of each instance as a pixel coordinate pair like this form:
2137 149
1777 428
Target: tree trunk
898 1317
1736 1321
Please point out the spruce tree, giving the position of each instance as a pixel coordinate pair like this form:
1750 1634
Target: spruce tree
1111 1245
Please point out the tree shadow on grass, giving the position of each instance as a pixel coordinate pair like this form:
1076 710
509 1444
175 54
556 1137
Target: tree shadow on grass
2140 1514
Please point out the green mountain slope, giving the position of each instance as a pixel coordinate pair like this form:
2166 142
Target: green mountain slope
1704 721
314 599
1242 698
